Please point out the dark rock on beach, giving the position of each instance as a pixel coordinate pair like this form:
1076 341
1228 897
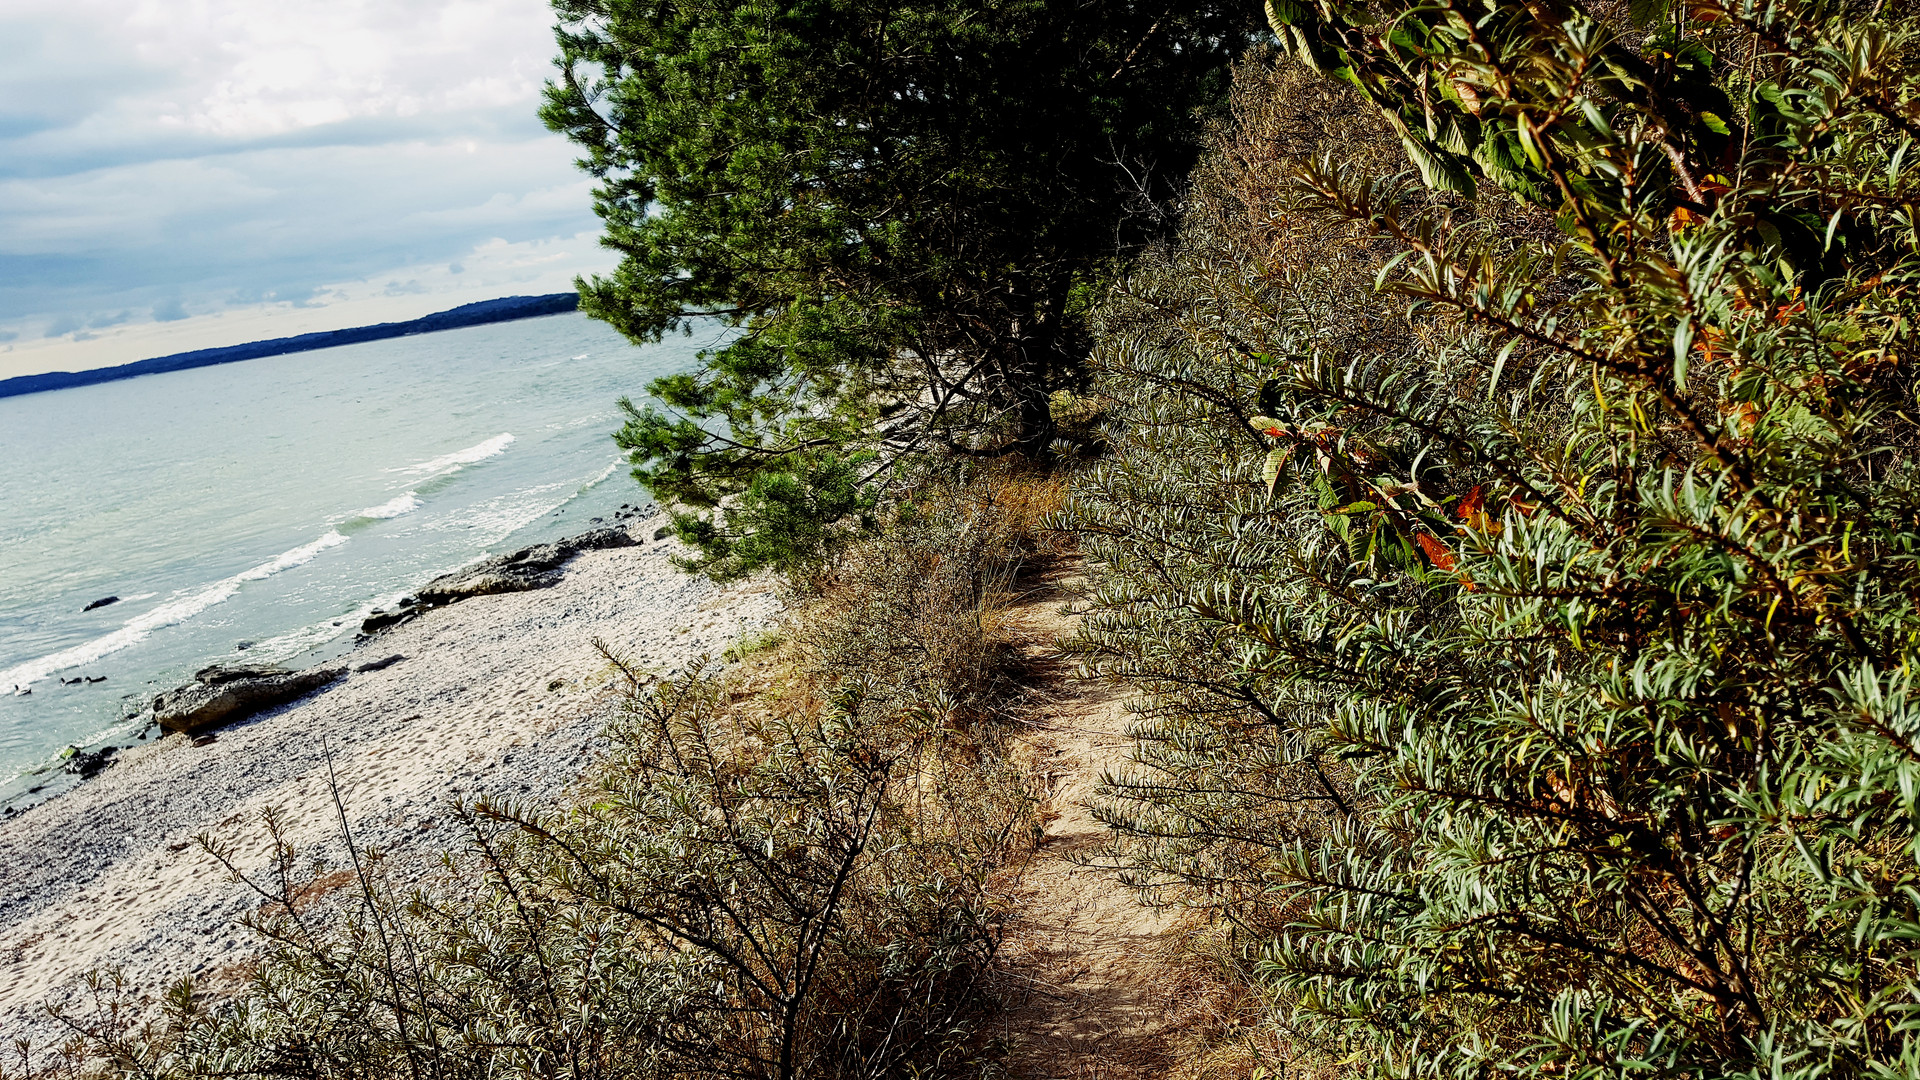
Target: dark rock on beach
535 567
529 568
85 764
386 620
380 665
221 695
102 602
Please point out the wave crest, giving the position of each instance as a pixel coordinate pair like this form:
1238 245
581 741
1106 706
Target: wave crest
460 459
392 508
176 610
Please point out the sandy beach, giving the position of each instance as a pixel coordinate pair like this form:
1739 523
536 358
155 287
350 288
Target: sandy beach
500 694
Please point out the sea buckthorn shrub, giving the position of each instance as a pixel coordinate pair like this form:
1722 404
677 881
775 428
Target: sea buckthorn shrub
1511 531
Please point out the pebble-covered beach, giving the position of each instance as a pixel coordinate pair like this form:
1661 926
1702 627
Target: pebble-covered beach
500 694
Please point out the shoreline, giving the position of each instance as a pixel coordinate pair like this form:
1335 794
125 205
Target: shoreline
138 731
498 694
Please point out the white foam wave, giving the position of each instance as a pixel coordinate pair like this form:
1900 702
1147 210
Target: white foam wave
392 508
503 515
299 640
461 458
178 609
601 478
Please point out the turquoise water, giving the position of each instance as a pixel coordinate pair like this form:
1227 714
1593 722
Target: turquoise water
273 503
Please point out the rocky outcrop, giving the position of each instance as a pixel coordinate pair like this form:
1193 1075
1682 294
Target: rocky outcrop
533 567
387 620
221 695
529 568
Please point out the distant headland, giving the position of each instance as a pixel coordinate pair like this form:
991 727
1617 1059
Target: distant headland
486 311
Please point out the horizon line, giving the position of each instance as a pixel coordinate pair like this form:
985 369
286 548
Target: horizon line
478 313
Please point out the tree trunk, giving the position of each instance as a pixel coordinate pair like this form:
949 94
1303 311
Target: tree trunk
1035 361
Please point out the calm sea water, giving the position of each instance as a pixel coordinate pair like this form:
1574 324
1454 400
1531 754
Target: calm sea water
272 504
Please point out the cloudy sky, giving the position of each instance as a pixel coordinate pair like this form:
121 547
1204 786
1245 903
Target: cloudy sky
176 174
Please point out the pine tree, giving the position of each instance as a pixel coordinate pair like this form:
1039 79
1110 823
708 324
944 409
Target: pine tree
900 210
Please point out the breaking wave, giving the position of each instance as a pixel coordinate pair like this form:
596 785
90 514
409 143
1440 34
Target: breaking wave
181 607
460 459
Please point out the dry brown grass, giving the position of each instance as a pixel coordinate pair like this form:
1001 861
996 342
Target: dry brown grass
919 613
1221 1027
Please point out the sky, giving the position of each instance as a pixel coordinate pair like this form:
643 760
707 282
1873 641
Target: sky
179 174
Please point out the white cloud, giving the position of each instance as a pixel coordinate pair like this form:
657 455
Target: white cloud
169 167
269 68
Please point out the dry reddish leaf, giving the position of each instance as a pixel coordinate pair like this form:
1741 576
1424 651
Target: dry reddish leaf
1437 552
1473 512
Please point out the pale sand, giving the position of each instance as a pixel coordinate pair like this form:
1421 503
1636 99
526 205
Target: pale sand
107 874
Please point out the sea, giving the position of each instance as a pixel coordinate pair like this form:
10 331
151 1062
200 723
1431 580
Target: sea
257 512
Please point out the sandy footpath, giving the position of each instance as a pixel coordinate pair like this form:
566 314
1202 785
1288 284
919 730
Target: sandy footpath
498 694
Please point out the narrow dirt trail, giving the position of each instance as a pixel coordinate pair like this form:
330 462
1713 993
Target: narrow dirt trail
1084 964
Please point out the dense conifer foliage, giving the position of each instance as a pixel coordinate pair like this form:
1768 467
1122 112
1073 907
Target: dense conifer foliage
1525 586
900 208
